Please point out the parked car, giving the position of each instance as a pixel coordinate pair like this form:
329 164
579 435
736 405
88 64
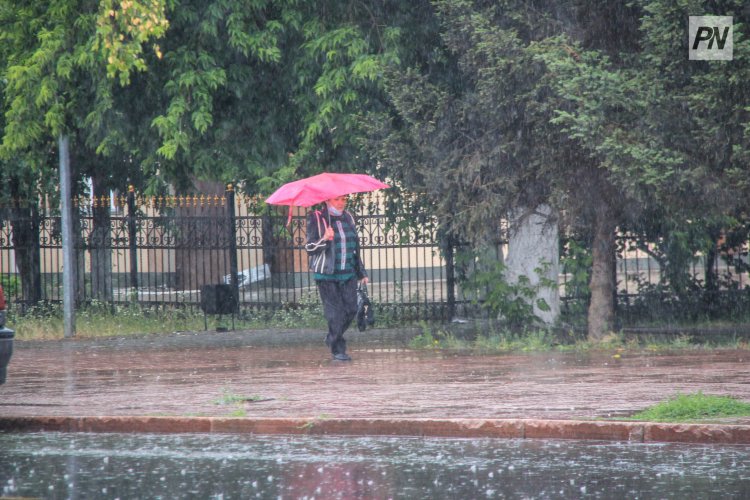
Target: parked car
6 340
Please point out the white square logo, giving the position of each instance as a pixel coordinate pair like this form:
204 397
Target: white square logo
710 38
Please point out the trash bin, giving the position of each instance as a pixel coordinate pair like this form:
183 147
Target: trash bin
6 351
218 299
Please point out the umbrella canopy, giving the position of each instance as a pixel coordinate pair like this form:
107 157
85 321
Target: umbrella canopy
319 188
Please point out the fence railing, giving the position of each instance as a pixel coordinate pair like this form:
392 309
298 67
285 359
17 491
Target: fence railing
162 250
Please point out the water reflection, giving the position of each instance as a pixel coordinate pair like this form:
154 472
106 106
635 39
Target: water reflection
56 465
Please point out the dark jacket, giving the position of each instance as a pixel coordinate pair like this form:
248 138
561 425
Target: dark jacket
320 251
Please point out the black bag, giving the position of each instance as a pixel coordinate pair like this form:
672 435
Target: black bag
365 313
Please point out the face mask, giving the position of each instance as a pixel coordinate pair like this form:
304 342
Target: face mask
334 212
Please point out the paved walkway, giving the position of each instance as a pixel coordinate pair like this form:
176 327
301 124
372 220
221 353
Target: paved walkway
288 374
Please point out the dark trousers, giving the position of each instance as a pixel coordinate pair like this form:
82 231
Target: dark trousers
339 308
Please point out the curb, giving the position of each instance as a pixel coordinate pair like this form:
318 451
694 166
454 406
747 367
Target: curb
636 432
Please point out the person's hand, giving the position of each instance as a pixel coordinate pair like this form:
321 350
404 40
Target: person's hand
364 281
328 235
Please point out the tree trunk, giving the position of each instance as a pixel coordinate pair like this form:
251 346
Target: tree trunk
601 315
79 270
533 251
100 245
202 242
25 223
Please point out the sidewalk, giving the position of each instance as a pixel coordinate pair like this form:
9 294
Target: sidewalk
276 375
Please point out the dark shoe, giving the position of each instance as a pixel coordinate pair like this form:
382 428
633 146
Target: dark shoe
342 356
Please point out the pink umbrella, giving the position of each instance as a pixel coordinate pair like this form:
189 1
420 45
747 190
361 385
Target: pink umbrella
319 188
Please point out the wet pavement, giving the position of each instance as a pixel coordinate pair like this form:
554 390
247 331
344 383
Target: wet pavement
288 374
216 466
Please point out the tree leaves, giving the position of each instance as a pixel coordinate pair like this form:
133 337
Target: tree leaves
123 28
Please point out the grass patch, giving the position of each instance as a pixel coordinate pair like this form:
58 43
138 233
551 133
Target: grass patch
237 401
694 407
229 398
45 321
499 340
530 341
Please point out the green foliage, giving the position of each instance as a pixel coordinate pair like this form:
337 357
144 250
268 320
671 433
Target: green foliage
307 311
230 398
97 319
477 107
11 285
514 302
426 339
123 28
438 339
496 341
657 304
45 321
529 341
694 407
575 263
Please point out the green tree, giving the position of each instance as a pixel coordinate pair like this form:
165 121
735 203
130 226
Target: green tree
56 70
670 132
564 102
483 142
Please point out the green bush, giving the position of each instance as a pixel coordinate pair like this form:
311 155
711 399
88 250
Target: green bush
511 303
11 285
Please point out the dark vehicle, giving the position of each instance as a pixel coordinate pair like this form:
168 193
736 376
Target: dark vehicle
6 340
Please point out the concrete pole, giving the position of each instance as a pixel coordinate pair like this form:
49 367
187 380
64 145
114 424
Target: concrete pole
68 243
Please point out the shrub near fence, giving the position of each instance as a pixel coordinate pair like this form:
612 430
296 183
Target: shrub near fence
161 250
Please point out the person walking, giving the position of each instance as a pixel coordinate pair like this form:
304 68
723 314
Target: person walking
332 245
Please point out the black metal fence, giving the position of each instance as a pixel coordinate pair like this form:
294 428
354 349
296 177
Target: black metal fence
160 251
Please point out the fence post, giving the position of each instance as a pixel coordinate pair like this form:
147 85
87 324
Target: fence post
232 230
132 243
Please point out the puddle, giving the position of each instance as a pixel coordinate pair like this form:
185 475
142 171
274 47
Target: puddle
59 465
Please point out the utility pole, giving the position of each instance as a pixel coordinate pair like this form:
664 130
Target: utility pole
68 243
